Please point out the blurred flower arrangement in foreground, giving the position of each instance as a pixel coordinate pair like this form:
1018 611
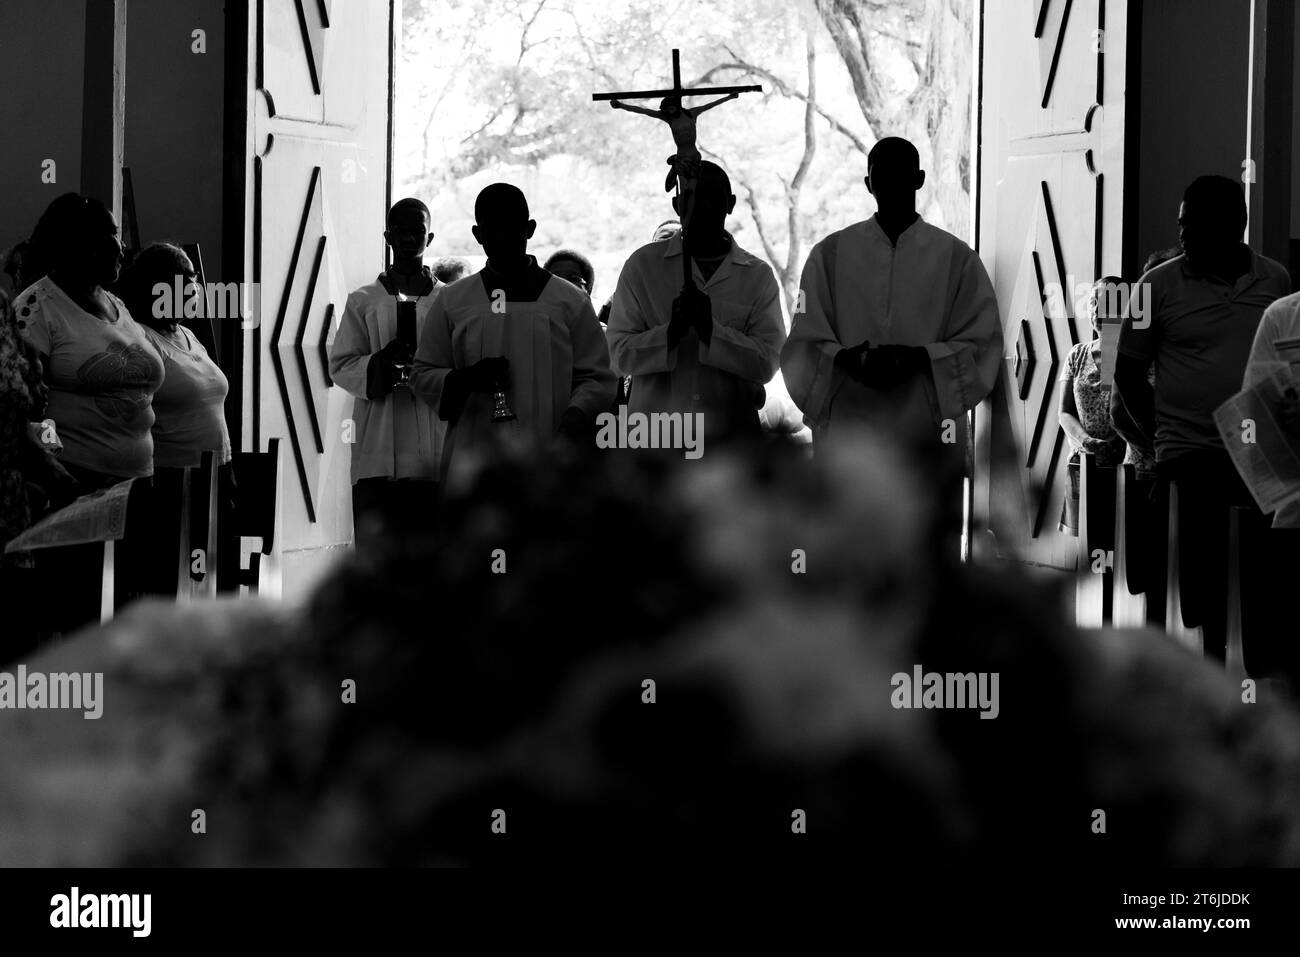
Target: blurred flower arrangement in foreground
527 692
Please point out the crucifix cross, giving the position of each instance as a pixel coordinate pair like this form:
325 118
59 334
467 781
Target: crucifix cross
678 90
681 120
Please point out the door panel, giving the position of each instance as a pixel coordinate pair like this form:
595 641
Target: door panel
1050 207
319 128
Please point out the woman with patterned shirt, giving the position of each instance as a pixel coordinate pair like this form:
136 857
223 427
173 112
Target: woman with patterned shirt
1085 411
101 371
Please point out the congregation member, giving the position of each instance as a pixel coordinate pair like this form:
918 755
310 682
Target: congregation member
666 230
1141 452
189 407
1277 348
898 329
102 371
15 270
398 445
571 265
514 361
32 482
447 269
1084 411
708 348
1195 322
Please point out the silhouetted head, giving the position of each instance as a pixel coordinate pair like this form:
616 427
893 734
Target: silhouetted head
503 227
1160 256
1212 217
670 105
573 266
1106 301
449 268
666 230
17 266
76 240
714 201
894 175
409 229
160 263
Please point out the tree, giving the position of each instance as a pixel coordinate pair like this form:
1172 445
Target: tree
935 36
513 100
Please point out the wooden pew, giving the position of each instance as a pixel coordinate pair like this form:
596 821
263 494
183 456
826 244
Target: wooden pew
1145 543
1094 571
1191 637
109 584
1238 528
1129 596
258 482
1263 572
202 535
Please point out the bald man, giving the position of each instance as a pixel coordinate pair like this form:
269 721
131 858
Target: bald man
1195 323
711 350
518 333
897 329
899 326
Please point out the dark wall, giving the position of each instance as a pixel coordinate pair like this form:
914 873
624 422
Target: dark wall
174 103
42 49
1194 69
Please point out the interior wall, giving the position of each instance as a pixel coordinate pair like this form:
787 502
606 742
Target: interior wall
42 49
174 119
1295 135
1194 74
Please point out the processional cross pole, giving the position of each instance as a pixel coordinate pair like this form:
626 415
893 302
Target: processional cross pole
681 120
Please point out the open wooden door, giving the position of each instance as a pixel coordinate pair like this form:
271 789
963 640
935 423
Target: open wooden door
1050 208
317 186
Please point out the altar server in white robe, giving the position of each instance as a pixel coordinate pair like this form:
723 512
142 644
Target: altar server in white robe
899 326
513 329
710 349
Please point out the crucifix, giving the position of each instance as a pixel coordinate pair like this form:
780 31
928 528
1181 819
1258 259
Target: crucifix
681 120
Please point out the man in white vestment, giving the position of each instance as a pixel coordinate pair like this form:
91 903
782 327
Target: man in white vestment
899 325
512 357
708 350
898 328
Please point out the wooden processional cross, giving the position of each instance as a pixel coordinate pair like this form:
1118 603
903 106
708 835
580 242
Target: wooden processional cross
682 123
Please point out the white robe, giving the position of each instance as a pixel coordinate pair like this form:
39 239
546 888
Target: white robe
558 358
1281 322
931 290
397 436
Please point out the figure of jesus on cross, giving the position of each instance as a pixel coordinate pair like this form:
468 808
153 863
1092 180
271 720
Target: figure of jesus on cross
685 163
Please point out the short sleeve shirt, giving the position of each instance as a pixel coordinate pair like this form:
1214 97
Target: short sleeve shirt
1281 322
101 376
1091 398
189 408
1198 331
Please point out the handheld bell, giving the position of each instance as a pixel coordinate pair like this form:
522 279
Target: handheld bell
501 411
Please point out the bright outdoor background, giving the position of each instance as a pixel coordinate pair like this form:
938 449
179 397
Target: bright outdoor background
493 90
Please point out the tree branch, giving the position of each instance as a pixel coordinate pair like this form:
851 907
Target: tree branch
769 251
845 27
793 248
757 72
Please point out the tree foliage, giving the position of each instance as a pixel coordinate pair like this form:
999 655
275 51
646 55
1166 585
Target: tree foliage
501 89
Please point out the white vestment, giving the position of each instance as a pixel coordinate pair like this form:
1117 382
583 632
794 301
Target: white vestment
1277 346
930 290
558 358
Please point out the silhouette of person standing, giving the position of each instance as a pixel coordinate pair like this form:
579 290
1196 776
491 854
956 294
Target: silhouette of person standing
708 348
515 361
897 328
1196 321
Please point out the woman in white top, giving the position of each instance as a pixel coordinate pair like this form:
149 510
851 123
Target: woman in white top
189 407
102 372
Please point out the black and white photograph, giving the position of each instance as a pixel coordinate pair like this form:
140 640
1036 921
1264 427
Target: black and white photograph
720 441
